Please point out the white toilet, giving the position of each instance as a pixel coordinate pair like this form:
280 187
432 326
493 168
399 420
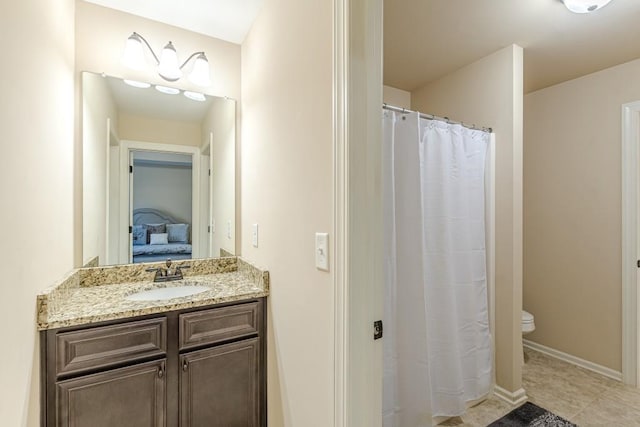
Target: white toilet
527 323
527 327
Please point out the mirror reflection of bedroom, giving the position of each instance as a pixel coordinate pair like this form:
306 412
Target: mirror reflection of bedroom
160 201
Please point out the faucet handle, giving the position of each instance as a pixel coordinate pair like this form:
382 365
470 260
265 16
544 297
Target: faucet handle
181 267
159 272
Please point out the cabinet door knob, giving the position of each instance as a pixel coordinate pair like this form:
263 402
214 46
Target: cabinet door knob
160 373
185 365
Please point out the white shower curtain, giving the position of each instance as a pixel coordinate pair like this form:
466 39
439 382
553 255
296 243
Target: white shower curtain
438 345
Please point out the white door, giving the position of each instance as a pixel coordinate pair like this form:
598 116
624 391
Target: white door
630 243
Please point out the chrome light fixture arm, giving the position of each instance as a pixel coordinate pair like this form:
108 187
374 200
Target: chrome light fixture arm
149 46
191 57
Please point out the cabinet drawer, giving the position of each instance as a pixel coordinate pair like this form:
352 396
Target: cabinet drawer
105 346
219 324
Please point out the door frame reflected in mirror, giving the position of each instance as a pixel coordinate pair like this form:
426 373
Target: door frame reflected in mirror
126 207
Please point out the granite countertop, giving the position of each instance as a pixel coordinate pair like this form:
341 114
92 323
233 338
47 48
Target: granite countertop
90 295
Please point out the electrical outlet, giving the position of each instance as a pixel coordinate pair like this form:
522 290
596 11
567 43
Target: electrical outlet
322 251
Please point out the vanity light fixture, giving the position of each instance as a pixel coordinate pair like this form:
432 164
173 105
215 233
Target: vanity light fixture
195 96
169 67
167 90
585 6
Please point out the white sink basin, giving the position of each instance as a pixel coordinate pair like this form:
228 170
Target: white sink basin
167 293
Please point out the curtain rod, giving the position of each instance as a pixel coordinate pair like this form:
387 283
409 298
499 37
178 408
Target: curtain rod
432 117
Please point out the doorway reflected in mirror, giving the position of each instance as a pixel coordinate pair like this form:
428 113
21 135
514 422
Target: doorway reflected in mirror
161 200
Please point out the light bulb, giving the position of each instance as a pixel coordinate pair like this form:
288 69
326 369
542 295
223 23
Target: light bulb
168 67
200 73
133 56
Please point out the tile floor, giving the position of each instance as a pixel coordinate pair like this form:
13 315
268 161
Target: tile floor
581 396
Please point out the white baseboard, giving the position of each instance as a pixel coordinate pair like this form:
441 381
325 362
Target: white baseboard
515 398
594 367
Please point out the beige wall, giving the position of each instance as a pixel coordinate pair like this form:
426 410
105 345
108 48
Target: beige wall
396 97
220 123
38 157
489 92
287 180
97 108
102 34
572 235
145 129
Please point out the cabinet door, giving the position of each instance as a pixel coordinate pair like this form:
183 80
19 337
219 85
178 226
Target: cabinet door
133 396
220 386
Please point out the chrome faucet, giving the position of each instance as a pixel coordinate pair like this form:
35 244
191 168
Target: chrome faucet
168 273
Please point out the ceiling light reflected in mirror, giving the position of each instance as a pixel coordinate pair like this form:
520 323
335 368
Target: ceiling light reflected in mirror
138 84
195 96
167 90
585 6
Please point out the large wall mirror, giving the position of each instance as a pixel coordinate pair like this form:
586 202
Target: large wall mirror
158 172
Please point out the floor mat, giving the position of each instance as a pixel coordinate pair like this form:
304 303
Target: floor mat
531 415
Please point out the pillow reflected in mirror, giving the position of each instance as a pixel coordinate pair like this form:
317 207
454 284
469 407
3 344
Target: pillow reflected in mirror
139 235
155 229
178 233
158 239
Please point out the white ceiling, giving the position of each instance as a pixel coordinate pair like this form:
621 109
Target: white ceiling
427 39
228 20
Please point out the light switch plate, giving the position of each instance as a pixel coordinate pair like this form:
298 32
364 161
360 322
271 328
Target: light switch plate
322 251
254 235
228 229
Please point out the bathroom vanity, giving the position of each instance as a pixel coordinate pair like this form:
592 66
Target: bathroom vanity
196 360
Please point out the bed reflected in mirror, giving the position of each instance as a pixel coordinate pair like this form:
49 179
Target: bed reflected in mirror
158 173
158 236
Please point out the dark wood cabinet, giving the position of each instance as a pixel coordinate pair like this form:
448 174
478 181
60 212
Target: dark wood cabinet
133 396
220 386
186 368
